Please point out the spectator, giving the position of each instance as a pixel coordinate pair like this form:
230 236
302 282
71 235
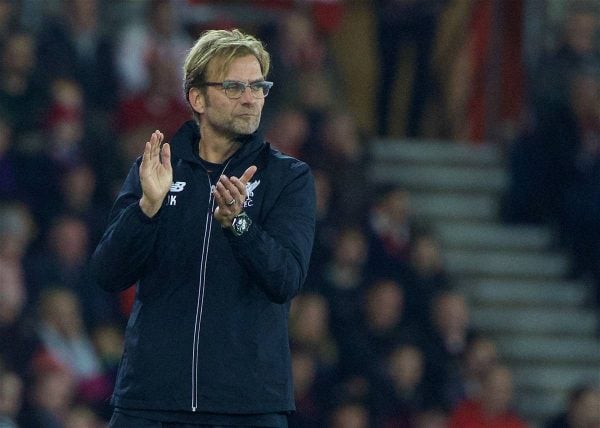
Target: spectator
8 18
309 401
159 104
309 328
301 65
50 397
340 149
108 341
83 417
554 171
63 336
401 394
74 46
8 175
492 408
157 38
399 22
350 415
479 358
427 276
444 346
542 167
78 197
577 48
72 139
22 93
12 290
17 336
343 280
431 418
391 229
64 123
325 232
365 349
63 261
583 409
11 398
289 131
17 230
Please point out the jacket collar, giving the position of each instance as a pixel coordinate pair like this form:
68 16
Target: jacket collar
184 144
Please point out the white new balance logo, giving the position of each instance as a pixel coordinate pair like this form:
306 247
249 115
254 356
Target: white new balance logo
177 186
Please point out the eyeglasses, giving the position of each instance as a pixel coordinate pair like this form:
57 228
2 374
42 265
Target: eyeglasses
234 89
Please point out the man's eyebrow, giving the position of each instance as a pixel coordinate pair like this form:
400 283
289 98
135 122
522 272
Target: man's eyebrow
262 79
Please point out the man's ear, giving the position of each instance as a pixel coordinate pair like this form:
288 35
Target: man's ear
196 100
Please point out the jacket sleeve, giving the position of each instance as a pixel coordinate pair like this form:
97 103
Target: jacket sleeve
276 253
120 257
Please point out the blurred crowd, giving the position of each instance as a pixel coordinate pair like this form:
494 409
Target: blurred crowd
555 158
379 334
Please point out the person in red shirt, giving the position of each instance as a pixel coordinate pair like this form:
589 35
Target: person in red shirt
492 408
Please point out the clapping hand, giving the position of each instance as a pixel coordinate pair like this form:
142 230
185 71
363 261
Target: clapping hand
156 174
230 194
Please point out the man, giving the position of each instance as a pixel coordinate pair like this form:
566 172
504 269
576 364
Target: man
216 229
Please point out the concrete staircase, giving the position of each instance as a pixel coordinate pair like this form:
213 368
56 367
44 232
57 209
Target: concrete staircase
513 279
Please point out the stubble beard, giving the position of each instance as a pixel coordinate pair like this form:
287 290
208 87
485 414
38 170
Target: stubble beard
240 125
244 125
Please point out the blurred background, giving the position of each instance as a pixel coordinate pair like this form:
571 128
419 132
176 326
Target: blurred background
455 279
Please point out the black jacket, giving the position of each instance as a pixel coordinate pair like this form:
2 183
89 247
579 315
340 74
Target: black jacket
208 330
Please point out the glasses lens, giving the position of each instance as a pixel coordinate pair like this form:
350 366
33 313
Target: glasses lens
234 89
260 89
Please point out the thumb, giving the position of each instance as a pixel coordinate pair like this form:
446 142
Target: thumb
248 174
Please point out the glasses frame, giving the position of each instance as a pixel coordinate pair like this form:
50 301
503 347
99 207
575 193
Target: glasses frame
257 89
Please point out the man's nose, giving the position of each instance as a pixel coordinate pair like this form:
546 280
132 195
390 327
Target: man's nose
247 96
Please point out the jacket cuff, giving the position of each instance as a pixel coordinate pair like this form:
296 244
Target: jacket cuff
143 217
249 236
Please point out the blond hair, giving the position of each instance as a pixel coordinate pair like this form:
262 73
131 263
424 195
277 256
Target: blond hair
225 45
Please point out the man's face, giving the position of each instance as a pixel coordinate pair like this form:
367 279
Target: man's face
581 29
233 117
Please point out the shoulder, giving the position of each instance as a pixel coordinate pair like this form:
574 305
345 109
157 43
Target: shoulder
286 162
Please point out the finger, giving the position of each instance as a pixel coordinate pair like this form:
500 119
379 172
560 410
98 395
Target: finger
219 193
150 152
226 196
166 156
155 139
248 174
240 187
237 191
222 209
145 157
146 154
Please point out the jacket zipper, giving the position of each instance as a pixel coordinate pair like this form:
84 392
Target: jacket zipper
201 287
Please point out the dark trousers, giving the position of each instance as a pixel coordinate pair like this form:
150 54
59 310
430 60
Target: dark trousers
120 420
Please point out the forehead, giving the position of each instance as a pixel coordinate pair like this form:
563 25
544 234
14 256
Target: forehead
240 68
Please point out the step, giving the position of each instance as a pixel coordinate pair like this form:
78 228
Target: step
446 178
512 264
493 236
557 378
410 151
547 321
544 350
445 206
533 293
